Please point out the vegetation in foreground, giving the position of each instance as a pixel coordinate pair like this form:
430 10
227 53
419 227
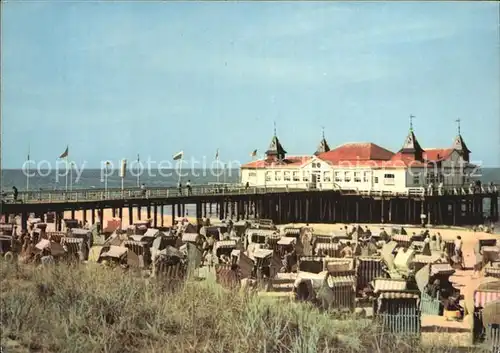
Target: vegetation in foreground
92 309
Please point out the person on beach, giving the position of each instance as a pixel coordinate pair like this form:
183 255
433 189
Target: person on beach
439 241
208 247
434 289
458 246
478 264
15 193
458 258
383 235
347 250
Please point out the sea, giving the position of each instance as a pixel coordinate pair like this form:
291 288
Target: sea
97 178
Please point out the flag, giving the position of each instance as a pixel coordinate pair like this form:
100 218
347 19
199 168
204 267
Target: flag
65 153
254 153
178 155
217 154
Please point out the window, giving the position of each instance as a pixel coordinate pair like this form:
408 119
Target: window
277 176
389 179
286 176
375 180
268 176
252 174
338 177
316 165
347 177
431 178
365 177
416 179
305 176
357 177
296 176
327 177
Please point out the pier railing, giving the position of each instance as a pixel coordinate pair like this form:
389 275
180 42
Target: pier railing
149 193
227 189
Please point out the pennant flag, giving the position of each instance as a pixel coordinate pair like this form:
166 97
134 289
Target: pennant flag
178 155
65 153
217 154
254 153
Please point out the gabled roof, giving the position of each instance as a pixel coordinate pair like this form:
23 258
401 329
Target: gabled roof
322 147
459 144
364 151
275 147
411 145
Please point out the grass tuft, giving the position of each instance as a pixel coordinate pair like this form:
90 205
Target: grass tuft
94 309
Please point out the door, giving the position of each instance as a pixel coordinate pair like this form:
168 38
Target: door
315 179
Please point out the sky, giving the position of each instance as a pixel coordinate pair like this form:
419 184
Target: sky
115 79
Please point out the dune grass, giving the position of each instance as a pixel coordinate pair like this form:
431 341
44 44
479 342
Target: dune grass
93 309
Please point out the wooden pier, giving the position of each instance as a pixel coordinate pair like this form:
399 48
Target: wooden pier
449 207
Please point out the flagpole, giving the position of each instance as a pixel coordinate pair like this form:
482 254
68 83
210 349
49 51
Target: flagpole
71 176
66 162
180 169
218 176
28 171
138 172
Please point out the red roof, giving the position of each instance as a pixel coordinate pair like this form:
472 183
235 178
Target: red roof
430 155
359 155
437 154
357 152
286 163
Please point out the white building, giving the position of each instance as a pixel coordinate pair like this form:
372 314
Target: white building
362 167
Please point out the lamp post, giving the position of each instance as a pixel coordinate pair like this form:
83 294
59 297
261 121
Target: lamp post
71 165
123 171
106 180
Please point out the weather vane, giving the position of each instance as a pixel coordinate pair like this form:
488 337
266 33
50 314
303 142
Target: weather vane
274 128
323 132
458 123
411 121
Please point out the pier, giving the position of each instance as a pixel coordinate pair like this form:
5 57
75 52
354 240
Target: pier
451 206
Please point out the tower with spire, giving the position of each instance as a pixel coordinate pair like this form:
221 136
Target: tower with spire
459 144
323 145
411 147
275 152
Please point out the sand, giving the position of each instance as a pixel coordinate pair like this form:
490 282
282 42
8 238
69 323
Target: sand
108 215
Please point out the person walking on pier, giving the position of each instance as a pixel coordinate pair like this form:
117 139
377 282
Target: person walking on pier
143 190
15 193
188 187
180 188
